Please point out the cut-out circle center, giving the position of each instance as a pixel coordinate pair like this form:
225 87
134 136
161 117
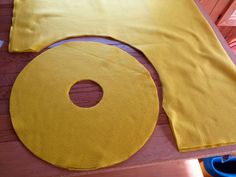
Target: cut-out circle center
86 93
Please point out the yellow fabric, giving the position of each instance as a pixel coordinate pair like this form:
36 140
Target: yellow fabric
198 77
61 133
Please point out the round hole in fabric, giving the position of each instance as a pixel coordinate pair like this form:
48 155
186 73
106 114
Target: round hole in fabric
86 93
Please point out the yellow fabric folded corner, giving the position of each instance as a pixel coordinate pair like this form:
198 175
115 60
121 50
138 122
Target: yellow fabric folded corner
63 134
198 77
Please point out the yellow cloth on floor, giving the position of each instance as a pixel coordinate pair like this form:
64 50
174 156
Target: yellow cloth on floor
198 77
63 134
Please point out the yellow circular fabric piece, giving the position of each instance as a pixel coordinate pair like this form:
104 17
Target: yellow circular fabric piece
69 136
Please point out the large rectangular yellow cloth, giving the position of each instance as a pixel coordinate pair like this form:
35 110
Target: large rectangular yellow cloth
198 77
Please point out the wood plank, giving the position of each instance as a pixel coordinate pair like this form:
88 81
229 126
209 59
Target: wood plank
6 3
228 32
5 123
8 135
5 12
185 168
208 5
231 35
225 30
4 111
5 22
4 36
219 9
226 19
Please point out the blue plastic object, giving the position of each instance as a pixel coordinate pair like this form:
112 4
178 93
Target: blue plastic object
1 43
218 167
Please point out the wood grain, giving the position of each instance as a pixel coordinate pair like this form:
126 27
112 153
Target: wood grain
228 32
220 7
180 168
225 19
217 9
209 5
16 160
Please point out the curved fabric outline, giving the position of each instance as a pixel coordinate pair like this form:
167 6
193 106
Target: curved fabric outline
215 70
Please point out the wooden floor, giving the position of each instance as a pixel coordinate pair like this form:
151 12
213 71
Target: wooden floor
16 160
183 168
